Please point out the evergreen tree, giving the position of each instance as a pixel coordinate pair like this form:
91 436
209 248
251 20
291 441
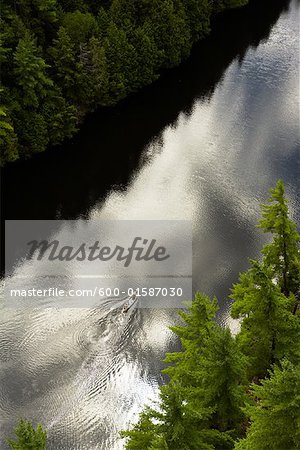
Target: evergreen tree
223 381
123 14
91 75
30 72
198 15
64 59
275 412
197 327
170 31
28 438
201 407
103 21
147 59
121 57
282 255
92 52
175 424
60 117
8 139
32 129
269 330
80 26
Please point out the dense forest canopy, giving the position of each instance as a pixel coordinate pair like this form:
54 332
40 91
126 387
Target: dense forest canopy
63 58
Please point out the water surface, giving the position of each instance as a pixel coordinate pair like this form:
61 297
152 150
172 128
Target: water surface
203 143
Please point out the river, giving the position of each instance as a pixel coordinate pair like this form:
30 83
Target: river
203 143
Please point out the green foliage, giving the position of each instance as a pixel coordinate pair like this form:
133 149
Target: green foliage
282 255
222 378
80 26
59 116
30 72
267 296
269 330
147 59
8 139
198 326
201 407
171 33
198 13
121 56
28 438
31 127
208 403
275 412
175 424
86 54
64 58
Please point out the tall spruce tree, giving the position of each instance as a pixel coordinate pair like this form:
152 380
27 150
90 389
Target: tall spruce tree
121 58
8 138
30 72
198 325
267 296
222 378
283 254
201 407
269 330
275 412
28 438
175 424
64 59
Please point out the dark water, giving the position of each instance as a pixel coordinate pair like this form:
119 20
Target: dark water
203 143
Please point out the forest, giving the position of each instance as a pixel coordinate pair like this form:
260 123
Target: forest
229 391
61 59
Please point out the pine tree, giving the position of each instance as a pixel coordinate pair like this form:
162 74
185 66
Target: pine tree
211 367
175 424
103 21
59 115
168 27
92 75
223 381
201 407
80 26
275 412
198 326
283 254
143 433
32 128
30 72
147 58
269 330
121 58
198 14
8 139
123 14
220 5
28 438
63 54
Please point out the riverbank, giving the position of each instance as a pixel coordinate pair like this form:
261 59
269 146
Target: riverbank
61 61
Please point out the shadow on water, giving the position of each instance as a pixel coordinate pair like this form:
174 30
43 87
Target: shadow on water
67 181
